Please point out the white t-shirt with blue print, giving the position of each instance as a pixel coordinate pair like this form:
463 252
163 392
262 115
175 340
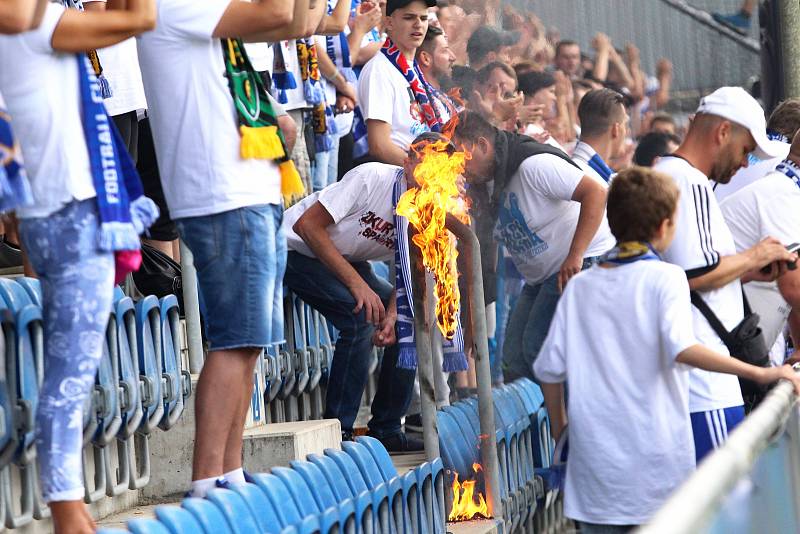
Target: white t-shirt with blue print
538 217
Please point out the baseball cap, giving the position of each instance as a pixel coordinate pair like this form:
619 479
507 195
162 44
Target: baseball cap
392 5
736 105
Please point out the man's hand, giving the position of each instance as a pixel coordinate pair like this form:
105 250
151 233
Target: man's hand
369 301
601 41
344 104
769 251
347 90
770 375
507 108
384 335
571 266
663 68
367 17
530 113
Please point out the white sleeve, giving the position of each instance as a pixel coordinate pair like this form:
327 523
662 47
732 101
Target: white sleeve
675 314
191 19
693 245
550 366
376 92
350 195
41 39
781 219
551 176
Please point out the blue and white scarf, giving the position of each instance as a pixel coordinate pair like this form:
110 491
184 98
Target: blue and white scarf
453 358
600 167
15 190
790 169
629 252
124 210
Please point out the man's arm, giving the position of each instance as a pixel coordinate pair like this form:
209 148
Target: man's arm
328 69
335 23
81 31
592 198
745 265
381 146
702 357
556 409
20 15
263 20
312 227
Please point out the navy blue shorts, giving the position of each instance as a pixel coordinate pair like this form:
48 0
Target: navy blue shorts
240 257
711 428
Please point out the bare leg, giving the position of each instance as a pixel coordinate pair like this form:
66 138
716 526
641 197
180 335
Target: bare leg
233 447
225 377
71 517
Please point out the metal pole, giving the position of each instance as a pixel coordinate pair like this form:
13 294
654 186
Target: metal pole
422 337
483 372
693 505
790 37
191 310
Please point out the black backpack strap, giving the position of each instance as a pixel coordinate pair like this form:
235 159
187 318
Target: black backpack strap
710 316
747 310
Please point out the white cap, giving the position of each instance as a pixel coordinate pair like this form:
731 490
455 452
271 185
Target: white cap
736 105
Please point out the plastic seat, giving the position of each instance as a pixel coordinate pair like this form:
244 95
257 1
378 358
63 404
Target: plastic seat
8 425
236 511
260 506
208 516
304 499
286 509
177 383
33 287
178 520
127 364
382 515
148 342
362 502
147 526
322 492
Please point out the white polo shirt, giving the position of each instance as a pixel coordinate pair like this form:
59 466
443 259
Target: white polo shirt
702 238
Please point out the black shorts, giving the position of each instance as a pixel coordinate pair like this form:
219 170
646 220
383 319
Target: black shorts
164 228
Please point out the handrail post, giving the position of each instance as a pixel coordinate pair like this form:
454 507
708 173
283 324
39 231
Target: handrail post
471 251
191 309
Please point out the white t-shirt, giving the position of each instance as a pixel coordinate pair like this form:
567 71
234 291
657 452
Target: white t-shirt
121 67
614 339
534 129
581 155
537 219
42 93
746 176
767 207
296 98
701 239
261 56
362 211
195 128
384 95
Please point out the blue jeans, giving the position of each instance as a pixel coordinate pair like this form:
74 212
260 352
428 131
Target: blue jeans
240 256
326 166
77 289
320 289
529 324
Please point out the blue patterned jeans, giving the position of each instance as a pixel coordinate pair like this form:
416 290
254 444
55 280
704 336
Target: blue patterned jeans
77 289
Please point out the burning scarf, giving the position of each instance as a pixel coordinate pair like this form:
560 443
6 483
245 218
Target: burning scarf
258 126
124 210
453 350
15 191
105 88
416 81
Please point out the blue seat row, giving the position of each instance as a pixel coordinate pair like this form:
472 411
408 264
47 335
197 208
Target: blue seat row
140 385
351 491
524 449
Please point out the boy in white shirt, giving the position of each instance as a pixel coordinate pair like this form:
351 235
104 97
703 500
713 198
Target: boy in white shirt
622 339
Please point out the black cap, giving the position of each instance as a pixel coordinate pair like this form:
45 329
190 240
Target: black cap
531 82
392 5
486 39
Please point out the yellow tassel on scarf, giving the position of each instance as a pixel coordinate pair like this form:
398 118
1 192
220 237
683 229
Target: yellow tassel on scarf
261 143
291 184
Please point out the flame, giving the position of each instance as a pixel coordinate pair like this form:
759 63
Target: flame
437 175
464 505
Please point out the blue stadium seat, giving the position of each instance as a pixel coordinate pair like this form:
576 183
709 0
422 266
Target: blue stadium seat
148 341
178 520
33 287
349 471
8 422
127 364
303 497
235 509
322 492
208 515
362 502
287 511
147 526
260 506
177 381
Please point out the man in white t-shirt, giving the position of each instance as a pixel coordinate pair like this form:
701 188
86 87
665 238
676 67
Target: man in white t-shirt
782 124
604 130
548 215
729 125
227 209
332 237
770 206
393 115
622 340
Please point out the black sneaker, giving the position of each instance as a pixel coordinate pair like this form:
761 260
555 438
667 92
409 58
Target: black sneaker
400 443
347 435
414 423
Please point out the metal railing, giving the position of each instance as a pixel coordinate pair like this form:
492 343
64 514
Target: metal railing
722 479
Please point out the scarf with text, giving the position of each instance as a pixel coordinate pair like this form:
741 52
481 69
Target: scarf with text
15 190
453 357
260 136
105 88
124 210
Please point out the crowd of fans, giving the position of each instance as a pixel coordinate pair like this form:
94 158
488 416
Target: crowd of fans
275 137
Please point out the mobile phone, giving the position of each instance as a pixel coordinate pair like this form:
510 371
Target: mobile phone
791 265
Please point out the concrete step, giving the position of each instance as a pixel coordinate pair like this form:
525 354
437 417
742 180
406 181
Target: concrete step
478 526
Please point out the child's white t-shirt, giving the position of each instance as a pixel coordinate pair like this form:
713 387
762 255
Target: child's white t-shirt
614 339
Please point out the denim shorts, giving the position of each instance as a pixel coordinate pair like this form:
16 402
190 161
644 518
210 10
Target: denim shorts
240 257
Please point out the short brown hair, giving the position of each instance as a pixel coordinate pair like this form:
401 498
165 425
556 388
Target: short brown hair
786 118
598 110
639 200
487 70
